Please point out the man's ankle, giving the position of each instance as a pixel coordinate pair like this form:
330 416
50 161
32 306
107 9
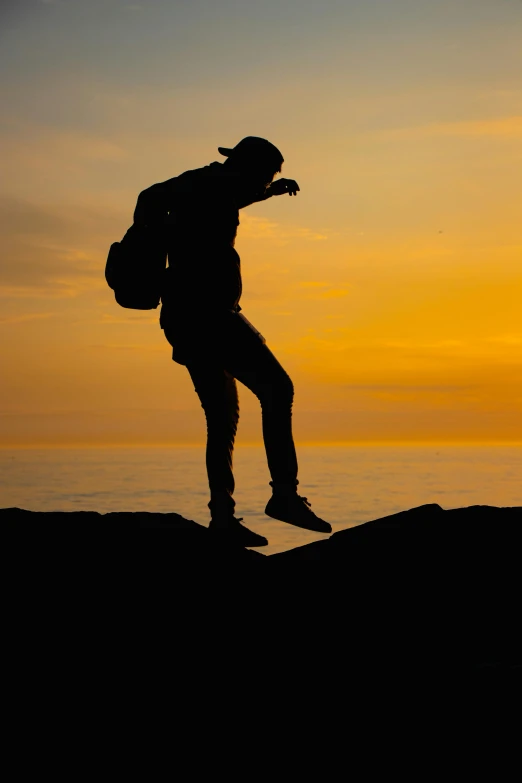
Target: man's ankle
221 506
284 489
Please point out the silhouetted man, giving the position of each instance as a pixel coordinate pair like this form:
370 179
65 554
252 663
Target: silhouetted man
202 321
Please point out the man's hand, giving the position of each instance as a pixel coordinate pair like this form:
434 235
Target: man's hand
283 185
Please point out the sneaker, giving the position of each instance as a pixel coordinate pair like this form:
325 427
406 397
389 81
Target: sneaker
229 530
296 510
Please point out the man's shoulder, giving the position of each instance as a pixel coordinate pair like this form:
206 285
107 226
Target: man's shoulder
211 170
211 179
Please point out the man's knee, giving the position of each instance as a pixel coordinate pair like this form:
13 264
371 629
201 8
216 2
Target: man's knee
287 390
222 412
217 392
278 394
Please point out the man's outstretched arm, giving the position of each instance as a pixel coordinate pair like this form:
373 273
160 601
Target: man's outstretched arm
276 188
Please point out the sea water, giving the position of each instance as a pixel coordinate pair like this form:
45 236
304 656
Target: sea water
347 485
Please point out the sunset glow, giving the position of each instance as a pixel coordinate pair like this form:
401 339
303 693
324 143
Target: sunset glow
390 288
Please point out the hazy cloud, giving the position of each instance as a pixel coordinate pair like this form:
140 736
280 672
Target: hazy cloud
320 289
411 389
501 127
129 318
506 339
142 348
16 319
334 293
416 344
254 227
49 159
49 251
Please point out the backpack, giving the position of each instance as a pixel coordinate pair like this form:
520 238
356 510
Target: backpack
136 266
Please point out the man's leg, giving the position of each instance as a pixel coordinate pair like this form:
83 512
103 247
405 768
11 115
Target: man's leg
260 372
217 392
249 360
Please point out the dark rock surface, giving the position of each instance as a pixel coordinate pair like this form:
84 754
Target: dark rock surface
425 589
181 539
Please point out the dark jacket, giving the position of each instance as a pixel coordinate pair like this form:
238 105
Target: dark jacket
198 214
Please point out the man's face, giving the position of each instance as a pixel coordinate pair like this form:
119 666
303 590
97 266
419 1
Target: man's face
258 176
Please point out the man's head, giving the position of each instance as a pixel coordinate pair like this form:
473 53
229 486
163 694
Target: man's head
256 159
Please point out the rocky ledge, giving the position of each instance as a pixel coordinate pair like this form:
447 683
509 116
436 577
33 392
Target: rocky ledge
426 584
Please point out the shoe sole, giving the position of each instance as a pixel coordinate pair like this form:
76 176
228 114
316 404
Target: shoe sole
326 529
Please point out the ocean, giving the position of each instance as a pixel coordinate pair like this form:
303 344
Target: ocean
346 485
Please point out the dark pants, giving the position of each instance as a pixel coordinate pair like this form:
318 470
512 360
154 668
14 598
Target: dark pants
226 351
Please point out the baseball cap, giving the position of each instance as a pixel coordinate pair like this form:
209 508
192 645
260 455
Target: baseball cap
254 147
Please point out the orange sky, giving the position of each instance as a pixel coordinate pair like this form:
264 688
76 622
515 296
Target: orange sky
390 288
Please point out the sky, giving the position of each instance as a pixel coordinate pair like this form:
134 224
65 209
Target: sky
389 289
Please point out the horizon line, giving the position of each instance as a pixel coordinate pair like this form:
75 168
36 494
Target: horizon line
259 444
